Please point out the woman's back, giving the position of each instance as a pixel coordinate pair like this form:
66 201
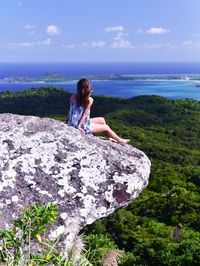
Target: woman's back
79 113
75 113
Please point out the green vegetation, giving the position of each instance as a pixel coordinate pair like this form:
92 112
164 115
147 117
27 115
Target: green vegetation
26 243
162 226
44 101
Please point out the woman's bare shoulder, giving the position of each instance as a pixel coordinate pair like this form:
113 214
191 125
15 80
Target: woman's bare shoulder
73 98
91 100
89 103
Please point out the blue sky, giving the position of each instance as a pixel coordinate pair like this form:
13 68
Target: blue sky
99 30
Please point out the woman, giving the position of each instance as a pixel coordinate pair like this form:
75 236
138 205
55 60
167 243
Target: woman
79 114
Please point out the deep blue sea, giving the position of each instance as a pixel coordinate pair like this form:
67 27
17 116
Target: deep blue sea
173 80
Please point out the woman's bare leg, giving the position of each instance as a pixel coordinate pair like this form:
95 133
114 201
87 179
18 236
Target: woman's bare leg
104 128
98 120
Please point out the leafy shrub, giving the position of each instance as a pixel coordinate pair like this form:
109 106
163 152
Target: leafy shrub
97 246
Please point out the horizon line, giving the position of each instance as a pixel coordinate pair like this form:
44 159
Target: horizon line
91 62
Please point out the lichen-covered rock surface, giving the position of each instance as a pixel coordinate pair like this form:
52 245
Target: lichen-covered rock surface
43 160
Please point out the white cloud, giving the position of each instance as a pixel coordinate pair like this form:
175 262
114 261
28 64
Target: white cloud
159 45
93 44
70 46
196 35
99 44
120 36
45 42
114 29
84 44
30 29
20 45
140 31
31 32
25 44
191 44
53 30
157 30
121 42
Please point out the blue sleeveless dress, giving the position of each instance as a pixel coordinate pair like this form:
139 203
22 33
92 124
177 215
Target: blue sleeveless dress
74 116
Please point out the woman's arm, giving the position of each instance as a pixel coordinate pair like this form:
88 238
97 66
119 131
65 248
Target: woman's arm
71 100
85 112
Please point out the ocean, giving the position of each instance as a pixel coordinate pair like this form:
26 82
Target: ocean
172 80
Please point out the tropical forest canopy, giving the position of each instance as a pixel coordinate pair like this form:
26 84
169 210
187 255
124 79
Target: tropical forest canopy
162 226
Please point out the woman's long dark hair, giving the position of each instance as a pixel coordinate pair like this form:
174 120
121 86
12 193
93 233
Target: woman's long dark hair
83 92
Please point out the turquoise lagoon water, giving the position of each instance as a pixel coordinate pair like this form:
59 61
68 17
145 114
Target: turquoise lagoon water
172 80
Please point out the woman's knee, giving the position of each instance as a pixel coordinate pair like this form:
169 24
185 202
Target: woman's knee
107 128
98 128
98 120
102 120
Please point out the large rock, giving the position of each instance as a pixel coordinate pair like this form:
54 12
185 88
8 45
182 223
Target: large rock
44 160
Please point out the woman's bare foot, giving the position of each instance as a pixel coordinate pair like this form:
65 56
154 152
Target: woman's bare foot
113 140
123 141
120 140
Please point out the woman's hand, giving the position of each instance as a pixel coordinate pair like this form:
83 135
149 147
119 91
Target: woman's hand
80 128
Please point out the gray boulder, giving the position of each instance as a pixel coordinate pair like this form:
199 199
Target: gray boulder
43 160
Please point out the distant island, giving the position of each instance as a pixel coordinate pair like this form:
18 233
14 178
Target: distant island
55 77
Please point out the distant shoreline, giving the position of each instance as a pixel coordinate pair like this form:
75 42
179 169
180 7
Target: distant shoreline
125 80
57 78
